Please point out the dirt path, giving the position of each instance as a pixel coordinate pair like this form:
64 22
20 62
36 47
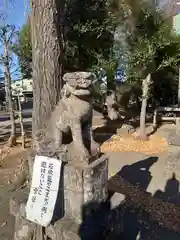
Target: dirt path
10 170
6 220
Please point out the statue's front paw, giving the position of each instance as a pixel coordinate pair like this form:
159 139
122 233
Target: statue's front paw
78 153
95 149
84 153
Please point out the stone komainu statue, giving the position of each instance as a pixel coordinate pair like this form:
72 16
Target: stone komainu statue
73 114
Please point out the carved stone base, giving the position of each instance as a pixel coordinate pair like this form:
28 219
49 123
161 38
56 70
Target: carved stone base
85 195
83 184
24 230
64 229
93 226
82 194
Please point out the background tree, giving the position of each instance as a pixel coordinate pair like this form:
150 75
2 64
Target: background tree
89 29
155 48
23 49
104 33
7 35
88 33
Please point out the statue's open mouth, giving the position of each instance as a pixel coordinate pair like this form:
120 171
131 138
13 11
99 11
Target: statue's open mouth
82 92
82 87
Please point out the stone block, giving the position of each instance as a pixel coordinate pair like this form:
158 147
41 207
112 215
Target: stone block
24 229
83 184
17 200
64 229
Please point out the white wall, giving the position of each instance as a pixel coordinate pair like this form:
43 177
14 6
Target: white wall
21 85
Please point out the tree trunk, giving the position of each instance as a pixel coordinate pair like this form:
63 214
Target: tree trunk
47 54
47 64
21 123
145 88
179 89
12 139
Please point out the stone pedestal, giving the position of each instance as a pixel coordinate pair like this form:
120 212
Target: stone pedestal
80 205
83 184
24 230
84 190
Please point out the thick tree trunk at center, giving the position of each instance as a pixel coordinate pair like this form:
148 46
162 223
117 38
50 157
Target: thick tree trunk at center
47 51
47 62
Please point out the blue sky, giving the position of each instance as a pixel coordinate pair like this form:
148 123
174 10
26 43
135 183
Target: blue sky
16 11
15 14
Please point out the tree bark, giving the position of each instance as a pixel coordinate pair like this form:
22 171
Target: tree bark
21 123
145 88
47 55
12 139
47 64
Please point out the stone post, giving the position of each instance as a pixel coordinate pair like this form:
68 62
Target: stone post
83 185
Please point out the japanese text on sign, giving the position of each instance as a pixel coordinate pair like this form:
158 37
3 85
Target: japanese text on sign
44 190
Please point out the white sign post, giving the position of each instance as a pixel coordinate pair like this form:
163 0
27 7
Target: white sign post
44 189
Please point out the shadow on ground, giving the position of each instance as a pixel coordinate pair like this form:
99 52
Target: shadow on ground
129 220
104 133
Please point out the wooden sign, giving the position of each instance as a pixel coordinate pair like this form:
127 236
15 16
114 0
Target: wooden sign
44 189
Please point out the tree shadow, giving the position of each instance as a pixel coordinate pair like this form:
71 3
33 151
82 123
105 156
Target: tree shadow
110 223
94 220
129 220
170 195
125 217
138 173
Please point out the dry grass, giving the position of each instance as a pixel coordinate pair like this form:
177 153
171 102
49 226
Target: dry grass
155 144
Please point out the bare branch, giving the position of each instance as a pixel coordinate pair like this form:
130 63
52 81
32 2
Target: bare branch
17 69
11 34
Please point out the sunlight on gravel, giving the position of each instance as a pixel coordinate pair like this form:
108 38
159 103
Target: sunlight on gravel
155 144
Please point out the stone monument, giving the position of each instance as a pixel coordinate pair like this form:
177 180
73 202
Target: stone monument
68 137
